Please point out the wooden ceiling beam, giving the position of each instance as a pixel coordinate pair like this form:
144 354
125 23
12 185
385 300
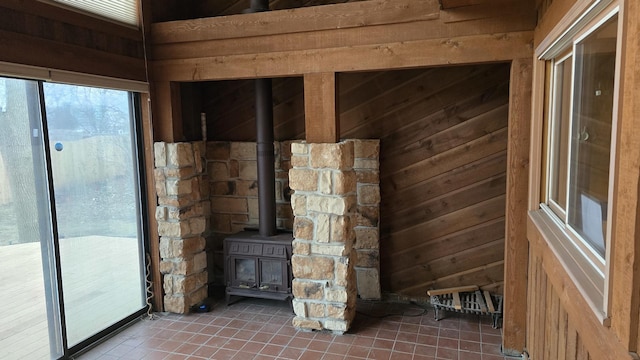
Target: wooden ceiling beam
422 53
339 16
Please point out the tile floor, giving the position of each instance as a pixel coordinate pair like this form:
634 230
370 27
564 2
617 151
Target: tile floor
261 329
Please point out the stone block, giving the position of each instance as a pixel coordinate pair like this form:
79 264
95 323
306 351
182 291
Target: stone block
334 249
243 151
317 310
366 148
166 250
197 296
285 149
344 182
367 238
368 164
303 179
218 150
344 267
254 208
166 266
304 323
199 261
180 155
173 229
337 326
228 205
332 156
218 171
368 194
303 228
299 204
337 311
160 154
368 176
312 267
161 213
221 223
368 216
368 283
325 185
299 148
368 258
246 188
248 170
176 304
199 156
299 308
336 295
307 289
323 228
179 173
330 204
234 169
301 247
160 182
223 188
197 225
341 229
178 187
175 201
300 161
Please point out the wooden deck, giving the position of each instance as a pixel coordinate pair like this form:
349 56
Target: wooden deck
101 281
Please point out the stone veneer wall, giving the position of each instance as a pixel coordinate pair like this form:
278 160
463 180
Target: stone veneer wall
232 169
367 227
182 215
331 208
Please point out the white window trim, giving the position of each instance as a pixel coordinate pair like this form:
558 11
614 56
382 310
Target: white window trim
69 77
592 282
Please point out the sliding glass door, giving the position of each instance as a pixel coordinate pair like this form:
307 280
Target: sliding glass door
70 231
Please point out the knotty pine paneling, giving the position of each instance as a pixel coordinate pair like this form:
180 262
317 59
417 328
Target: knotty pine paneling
443 135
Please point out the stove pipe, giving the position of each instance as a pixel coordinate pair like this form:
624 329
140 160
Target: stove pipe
265 150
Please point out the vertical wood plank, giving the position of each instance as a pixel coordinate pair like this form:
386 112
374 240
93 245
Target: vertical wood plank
320 104
516 245
167 112
153 240
572 341
562 334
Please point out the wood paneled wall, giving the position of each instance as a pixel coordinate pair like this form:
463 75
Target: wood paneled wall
39 34
443 162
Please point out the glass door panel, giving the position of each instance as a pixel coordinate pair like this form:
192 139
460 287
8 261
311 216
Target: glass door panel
30 326
95 179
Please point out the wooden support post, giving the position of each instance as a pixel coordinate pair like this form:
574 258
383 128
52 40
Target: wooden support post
321 110
516 244
167 112
154 240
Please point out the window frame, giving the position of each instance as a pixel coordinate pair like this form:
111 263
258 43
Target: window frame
586 267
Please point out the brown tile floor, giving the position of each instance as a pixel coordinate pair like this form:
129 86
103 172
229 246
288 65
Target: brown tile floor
261 329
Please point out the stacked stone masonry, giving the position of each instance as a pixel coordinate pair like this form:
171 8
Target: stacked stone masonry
232 170
182 214
332 184
210 191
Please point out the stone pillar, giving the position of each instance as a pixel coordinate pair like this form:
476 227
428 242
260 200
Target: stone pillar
324 204
367 245
182 215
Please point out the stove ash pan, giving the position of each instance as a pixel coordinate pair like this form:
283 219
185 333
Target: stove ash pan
258 266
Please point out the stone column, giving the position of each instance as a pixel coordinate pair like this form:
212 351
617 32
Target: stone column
367 245
182 212
324 205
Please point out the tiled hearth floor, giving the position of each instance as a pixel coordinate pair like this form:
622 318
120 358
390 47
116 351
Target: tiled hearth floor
261 329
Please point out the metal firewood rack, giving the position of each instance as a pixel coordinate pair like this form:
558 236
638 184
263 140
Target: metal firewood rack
467 299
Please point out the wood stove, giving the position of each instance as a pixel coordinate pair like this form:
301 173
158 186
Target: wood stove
256 266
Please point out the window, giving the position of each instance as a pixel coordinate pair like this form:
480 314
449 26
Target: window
579 145
124 11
